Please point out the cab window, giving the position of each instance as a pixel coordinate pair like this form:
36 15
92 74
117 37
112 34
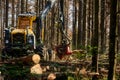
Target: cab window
24 23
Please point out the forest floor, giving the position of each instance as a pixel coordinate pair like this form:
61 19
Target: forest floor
77 66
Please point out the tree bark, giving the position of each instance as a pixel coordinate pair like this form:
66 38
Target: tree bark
23 6
112 47
74 25
13 12
1 20
118 18
17 10
7 6
26 6
84 24
95 40
79 38
102 29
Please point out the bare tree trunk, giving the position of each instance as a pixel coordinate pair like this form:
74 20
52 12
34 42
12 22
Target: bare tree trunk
79 38
102 29
118 25
26 7
7 6
23 6
66 14
107 23
1 27
84 24
112 47
52 26
17 9
95 40
89 23
13 13
74 25
36 7
1 8
3 21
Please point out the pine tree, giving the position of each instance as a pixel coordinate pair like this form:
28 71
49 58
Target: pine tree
112 47
95 40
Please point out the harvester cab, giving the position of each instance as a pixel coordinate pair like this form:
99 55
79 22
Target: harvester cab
21 40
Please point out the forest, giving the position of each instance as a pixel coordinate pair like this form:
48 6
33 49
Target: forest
59 40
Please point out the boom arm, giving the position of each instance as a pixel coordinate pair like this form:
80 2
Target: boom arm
43 14
48 6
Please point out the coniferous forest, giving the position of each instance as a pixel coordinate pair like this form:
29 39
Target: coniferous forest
59 39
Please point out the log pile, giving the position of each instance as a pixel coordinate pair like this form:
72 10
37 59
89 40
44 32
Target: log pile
58 68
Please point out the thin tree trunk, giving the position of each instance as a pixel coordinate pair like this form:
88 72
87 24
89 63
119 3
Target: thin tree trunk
23 6
1 8
118 25
79 41
4 20
112 52
0 18
84 24
36 7
102 29
7 6
95 40
74 25
89 24
17 10
107 23
52 26
13 12
26 6
66 15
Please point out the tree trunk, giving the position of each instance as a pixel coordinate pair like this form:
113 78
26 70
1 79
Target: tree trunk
102 29
79 38
52 26
13 12
112 47
89 23
26 7
7 6
17 10
36 7
84 24
1 8
23 6
74 25
66 14
107 23
95 40
118 25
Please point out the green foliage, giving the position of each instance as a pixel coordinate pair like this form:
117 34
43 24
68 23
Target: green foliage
90 49
15 71
80 55
73 47
70 78
77 77
118 57
117 76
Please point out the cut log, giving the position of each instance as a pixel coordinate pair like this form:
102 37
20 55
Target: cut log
36 58
36 69
78 51
26 59
93 74
51 76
